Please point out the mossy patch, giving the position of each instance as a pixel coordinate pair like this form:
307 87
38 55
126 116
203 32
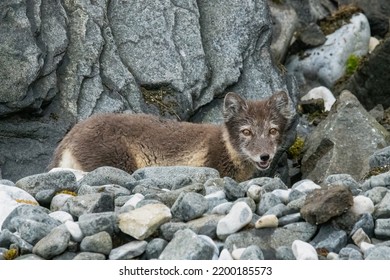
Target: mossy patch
11 254
339 18
352 64
72 193
376 171
162 98
295 151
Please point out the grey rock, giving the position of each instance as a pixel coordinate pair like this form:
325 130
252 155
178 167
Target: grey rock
94 223
57 181
54 244
381 180
189 206
98 243
206 225
382 209
89 203
289 219
325 147
169 198
116 190
107 175
7 238
233 190
380 158
249 201
330 238
366 223
268 200
154 248
343 180
323 204
186 245
350 254
382 228
169 229
65 256
279 210
376 194
252 252
89 256
286 235
128 251
378 253
31 222
30 257
284 253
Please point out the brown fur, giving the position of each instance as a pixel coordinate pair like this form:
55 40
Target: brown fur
130 142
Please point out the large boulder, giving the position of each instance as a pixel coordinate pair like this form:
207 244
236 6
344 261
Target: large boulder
343 142
62 62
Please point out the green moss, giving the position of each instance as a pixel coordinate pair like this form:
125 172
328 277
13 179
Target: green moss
11 254
341 17
376 171
160 98
296 148
352 64
68 192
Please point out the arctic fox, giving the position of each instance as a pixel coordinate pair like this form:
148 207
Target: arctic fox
247 140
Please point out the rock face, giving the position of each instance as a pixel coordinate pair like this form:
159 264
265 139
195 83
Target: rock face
63 62
336 145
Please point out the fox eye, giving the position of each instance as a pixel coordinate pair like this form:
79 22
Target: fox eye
273 131
246 132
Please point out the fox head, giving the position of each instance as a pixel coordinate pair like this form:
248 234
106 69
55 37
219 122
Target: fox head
256 128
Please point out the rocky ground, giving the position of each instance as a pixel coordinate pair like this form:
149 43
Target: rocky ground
333 200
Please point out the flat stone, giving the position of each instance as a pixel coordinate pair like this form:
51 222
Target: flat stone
378 253
107 175
362 205
128 251
96 222
268 200
155 248
330 238
382 228
382 209
252 252
142 222
89 203
324 204
74 230
350 254
267 221
89 256
365 222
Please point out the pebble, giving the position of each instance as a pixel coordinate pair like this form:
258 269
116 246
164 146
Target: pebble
154 248
128 251
382 209
360 236
382 228
89 203
74 230
267 221
378 253
321 93
225 255
59 200
189 206
239 216
350 254
330 238
255 192
252 252
98 243
268 201
96 222
304 251
142 222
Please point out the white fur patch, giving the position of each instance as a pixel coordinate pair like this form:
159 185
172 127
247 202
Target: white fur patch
69 161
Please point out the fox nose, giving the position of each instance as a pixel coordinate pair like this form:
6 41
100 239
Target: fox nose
264 157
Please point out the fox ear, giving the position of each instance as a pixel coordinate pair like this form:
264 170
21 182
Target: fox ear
233 104
283 104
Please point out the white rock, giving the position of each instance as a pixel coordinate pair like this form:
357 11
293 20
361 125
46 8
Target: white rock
304 251
282 194
321 93
61 216
134 200
236 254
222 209
10 198
75 231
225 255
128 251
58 201
239 216
332 256
142 222
374 42
267 221
361 205
305 186
326 64
79 174
364 247
360 236
255 192
217 194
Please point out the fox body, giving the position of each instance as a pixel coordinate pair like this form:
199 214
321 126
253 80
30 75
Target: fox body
248 139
